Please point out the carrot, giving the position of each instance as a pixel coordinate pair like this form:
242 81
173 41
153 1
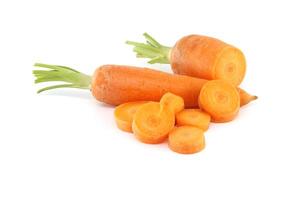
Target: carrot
220 99
115 84
245 97
197 56
193 117
173 102
152 123
186 139
124 114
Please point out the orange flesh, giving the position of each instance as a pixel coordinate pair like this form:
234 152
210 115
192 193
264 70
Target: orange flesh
186 139
230 66
220 99
152 123
193 117
124 114
173 102
208 58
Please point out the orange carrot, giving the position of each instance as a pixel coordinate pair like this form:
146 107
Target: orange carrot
245 97
152 123
124 114
220 99
186 139
193 117
197 56
115 84
173 102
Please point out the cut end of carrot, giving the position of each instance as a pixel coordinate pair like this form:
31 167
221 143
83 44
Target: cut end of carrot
124 114
172 102
151 124
193 117
220 99
186 140
230 66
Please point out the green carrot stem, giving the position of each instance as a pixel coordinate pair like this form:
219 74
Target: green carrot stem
152 49
56 73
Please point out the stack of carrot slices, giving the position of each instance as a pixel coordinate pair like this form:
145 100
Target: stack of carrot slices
154 122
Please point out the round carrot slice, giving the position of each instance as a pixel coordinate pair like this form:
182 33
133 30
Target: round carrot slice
152 123
124 114
230 66
173 102
193 117
220 99
186 139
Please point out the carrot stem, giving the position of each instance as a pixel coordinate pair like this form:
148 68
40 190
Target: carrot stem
56 73
152 49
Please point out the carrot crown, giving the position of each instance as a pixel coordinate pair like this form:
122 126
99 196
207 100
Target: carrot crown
152 49
56 73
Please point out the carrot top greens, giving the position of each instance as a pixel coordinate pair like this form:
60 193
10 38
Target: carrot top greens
56 73
151 49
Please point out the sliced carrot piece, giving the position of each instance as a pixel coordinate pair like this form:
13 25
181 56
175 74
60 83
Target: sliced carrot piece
186 139
220 99
193 117
173 102
152 123
124 114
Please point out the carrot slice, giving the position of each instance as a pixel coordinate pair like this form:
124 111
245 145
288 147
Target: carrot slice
173 102
152 123
124 114
220 99
186 139
193 117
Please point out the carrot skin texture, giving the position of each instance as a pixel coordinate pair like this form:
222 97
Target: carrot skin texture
245 97
208 58
115 84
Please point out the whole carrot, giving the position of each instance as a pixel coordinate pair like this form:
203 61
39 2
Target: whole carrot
115 84
198 56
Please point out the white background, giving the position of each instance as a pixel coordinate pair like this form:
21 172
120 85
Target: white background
64 145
